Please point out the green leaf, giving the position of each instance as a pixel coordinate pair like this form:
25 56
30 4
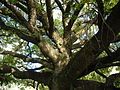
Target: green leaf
13 1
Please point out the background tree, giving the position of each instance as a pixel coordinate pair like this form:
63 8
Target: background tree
84 39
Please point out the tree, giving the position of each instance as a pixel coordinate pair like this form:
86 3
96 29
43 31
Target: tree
84 39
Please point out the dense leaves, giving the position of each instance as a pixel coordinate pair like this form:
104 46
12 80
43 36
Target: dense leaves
61 44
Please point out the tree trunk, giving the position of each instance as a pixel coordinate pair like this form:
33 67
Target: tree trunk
59 83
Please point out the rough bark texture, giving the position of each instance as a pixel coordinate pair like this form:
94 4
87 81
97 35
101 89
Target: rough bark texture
65 67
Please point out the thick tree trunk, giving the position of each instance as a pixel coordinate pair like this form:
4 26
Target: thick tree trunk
60 84
57 84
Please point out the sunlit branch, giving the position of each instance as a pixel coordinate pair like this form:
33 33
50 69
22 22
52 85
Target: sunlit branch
21 33
26 36
80 62
40 15
32 14
18 15
49 51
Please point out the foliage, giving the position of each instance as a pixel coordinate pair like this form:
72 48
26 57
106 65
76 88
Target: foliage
55 43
